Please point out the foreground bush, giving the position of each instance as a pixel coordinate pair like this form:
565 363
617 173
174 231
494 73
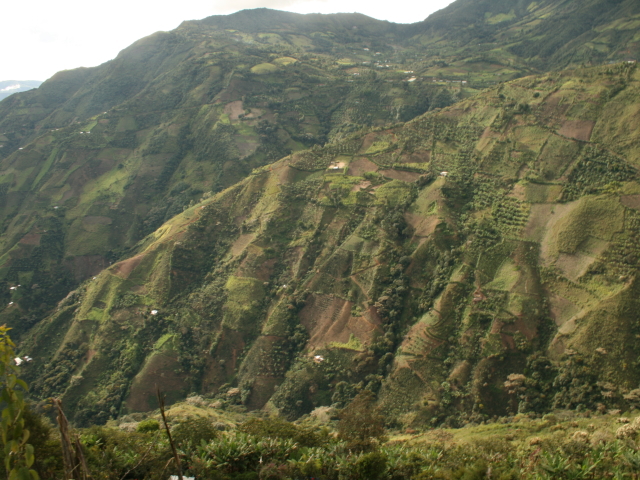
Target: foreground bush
268 449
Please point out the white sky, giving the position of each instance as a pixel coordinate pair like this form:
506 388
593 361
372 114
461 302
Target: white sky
41 37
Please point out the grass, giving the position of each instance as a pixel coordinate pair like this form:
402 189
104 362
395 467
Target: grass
378 146
22 178
126 123
506 277
244 297
95 314
601 217
89 126
353 344
162 341
45 168
263 68
499 18
393 193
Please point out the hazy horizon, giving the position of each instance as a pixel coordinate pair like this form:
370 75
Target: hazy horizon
72 34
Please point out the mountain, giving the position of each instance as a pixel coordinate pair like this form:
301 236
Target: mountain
477 251
9 87
282 210
475 39
98 158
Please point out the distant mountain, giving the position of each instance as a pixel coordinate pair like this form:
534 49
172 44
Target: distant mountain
9 87
476 39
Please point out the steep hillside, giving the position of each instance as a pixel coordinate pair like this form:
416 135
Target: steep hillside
478 40
478 260
95 159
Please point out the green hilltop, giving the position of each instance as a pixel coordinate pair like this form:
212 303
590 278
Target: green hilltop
286 210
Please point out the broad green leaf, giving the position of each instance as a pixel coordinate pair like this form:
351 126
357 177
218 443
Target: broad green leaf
28 455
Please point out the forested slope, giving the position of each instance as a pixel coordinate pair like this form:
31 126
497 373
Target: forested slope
478 260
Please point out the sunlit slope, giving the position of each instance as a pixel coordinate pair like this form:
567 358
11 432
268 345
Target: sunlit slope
488 39
428 262
96 159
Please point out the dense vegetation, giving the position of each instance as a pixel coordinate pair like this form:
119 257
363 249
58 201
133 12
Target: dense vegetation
95 159
320 221
260 447
361 266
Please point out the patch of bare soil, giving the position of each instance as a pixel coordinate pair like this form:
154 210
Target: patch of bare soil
286 174
574 265
361 186
552 105
126 317
241 243
89 355
422 226
261 391
538 218
540 227
506 334
328 319
368 141
631 201
508 341
123 269
361 165
85 266
419 341
421 157
31 239
254 267
234 110
140 289
221 366
160 369
578 129
558 346
246 146
561 309
488 133
520 325
519 192
400 175
254 113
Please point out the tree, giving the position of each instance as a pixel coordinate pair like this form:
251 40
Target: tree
361 425
18 454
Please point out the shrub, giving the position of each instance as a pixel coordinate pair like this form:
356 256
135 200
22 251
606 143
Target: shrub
149 425
361 425
371 466
194 431
275 427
